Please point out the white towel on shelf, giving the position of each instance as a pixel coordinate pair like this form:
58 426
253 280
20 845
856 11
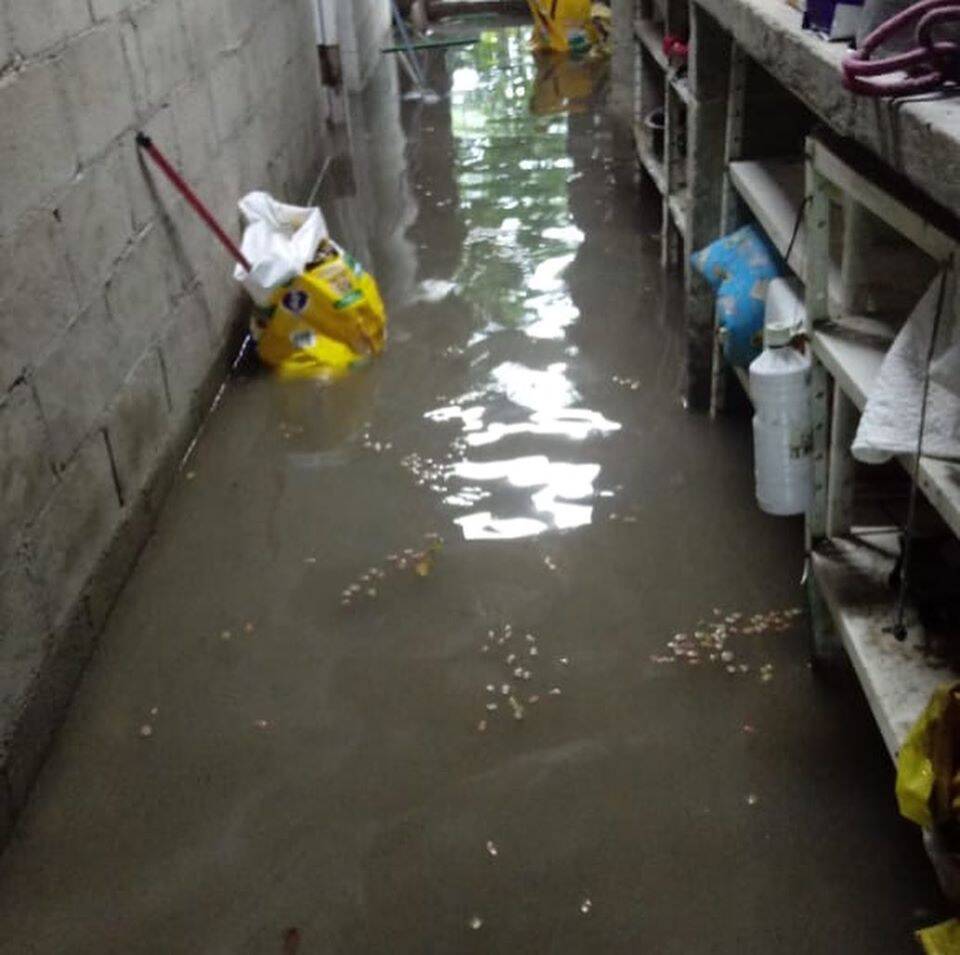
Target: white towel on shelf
891 419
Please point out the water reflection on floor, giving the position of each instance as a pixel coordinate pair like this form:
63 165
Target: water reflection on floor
344 719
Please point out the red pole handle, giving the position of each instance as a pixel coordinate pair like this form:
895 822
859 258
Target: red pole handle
146 144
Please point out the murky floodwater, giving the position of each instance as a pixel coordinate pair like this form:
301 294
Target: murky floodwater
404 646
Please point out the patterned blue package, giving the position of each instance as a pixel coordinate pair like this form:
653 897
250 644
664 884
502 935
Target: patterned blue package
740 266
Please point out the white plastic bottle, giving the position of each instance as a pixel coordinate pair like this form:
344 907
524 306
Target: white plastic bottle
780 389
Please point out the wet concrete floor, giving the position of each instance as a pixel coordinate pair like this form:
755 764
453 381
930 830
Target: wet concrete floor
324 767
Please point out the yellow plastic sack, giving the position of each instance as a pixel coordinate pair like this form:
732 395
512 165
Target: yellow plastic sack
562 26
565 85
942 939
326 320
927 765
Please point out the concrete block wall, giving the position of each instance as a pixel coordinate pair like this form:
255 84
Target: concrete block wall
117 310
363 28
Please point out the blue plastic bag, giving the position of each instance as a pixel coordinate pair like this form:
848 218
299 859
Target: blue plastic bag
739 267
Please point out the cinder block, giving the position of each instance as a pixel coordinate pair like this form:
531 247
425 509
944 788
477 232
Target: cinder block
137 422
162 43
138 293
97 222
40 24
150 193
94 74
26 475
75 527
187 350
79 376
205 24
37 295
239 19
45 702
228 85
35 165
23 629
105 9
195 127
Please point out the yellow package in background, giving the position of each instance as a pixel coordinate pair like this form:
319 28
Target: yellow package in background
562 26
942 939
326 320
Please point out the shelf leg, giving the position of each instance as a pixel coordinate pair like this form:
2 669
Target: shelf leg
825 645
816 523
840 470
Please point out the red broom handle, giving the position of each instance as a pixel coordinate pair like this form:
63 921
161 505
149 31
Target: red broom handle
146 144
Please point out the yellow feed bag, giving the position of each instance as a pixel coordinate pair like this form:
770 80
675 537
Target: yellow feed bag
942 939
326 320
562 26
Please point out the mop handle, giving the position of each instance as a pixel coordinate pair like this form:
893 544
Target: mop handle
146 144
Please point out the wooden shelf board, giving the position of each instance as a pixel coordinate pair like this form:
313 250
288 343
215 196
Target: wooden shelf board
648 160
677 203
897 678
773 190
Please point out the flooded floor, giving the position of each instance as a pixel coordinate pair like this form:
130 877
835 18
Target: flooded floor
307 714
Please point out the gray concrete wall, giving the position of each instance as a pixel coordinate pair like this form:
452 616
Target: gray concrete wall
363 30
116 308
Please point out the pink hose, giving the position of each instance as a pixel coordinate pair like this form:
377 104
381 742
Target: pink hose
941 59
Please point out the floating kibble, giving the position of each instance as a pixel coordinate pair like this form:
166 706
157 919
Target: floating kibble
511 658
533 698
555 691
248 627
492 706
505 689
564 661
261 724
191 475
586 907
533 651
225 634
492 848
517 708
146 731
475 922
482 726
752 799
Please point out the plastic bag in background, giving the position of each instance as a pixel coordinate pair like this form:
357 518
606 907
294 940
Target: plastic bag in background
279 240
562 26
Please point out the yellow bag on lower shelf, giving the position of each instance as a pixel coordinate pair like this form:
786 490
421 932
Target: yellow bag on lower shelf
942 939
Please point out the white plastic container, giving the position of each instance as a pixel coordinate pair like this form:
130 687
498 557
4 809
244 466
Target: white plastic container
780 389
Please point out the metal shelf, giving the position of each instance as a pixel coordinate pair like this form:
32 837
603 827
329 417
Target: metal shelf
650 34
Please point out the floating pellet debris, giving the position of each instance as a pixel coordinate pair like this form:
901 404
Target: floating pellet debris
586 907
526 674
190 475
505 689
146 731
482 726
555 691
492 848
632 383
517 708
309 560
491 688
225 634
752 799
248 627
533 651
511 659
475 922
530 638
709 640
492 706
262 724
551 564
533 698
154 711
564 661
518 672
420 560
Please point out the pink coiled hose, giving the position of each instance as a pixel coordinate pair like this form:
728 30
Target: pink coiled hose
928 65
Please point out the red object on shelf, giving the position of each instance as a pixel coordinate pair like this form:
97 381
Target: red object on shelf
674 47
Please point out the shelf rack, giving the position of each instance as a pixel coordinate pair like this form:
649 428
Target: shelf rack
661 87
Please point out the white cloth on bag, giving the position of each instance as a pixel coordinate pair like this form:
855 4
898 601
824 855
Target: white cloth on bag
279 240
890 423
